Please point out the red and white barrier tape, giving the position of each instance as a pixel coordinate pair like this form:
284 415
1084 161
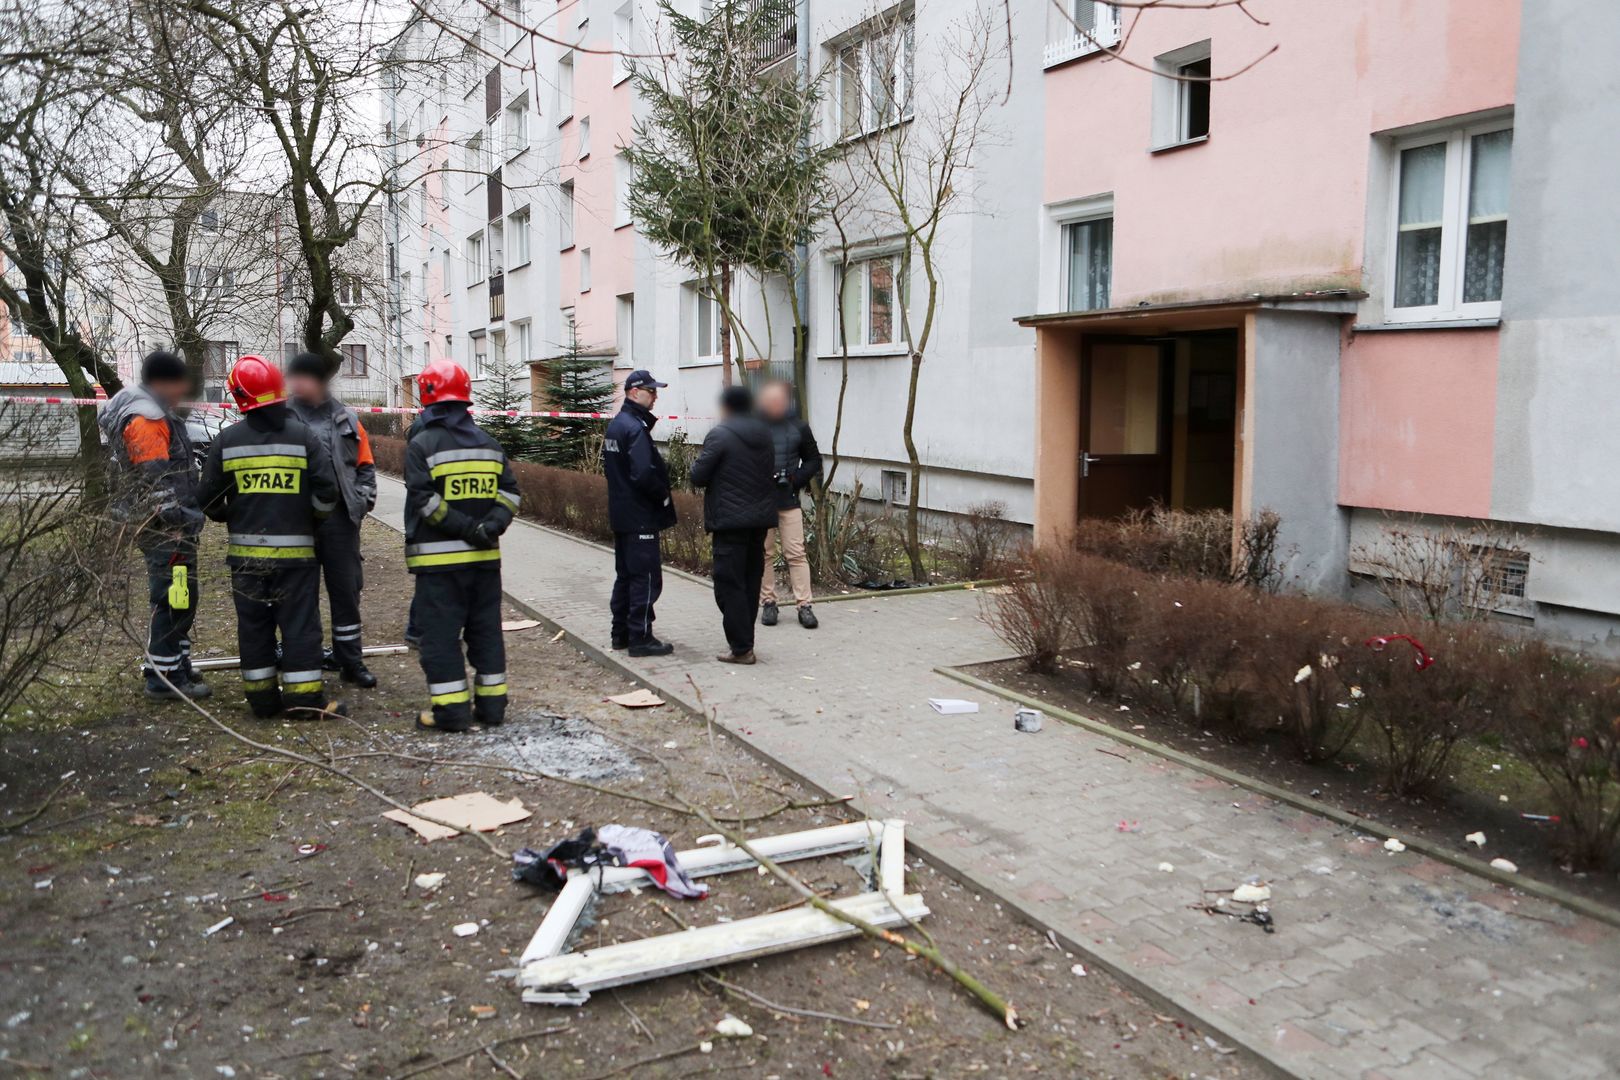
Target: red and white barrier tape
13 399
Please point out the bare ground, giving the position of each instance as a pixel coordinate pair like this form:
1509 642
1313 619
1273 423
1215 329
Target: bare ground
335 964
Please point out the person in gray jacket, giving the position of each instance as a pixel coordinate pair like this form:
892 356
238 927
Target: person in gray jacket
337 538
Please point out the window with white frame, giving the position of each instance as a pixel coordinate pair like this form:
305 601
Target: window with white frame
1181 95
517 237
474 253
584 138
584 269
707 323
472 160
624 318
1088 262
1079 28
354 361
870 296
624 175
348 289
565 86
1450 227
512 10
480 355
874 75
624 33
522 341
517 126
495 248
565 215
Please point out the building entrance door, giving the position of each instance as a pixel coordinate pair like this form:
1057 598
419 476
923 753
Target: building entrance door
1126 388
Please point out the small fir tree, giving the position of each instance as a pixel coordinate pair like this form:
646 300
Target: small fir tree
575 382
505 389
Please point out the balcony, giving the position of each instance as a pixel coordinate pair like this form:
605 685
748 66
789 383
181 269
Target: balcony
497 296
779 32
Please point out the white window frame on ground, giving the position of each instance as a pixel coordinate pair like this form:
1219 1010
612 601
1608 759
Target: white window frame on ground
888 39
624 35
518 235
565 87
550 975
1174 87
1064 42
474 254
1453 223
565 215
853 286
517 126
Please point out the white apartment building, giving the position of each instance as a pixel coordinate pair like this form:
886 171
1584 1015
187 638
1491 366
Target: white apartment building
515 227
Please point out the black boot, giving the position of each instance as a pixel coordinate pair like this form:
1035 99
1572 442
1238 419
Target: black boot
807 618
360 675
652 647
768 614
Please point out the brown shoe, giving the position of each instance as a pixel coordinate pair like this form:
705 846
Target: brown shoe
737 658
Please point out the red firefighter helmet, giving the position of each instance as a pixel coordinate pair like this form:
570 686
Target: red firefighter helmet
255 383
443 380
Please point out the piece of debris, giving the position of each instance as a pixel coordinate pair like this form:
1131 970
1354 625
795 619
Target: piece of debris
483 1012
145 821
1394 845
429 882
1252 893
949 706
1476 838
1079 970
558 636
474 811
1550 818
611 845
1128 826
1302 674
705 1047
733 1028
513 625
1166 868
641 698
217 927
1028 720
466 929
1504 865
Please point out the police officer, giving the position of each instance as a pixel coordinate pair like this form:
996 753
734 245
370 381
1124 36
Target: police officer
337 538
639 507
155 489
460 495
268 477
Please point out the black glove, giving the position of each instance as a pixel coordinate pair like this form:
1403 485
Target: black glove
480 535
495 522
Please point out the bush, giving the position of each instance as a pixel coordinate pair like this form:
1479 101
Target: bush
1192 543
1568 729
1032 612
1295 659
1420 712
981 541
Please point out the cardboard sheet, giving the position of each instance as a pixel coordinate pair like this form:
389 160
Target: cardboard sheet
637 699
474 811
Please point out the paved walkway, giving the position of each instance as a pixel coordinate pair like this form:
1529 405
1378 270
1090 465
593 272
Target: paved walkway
1382 965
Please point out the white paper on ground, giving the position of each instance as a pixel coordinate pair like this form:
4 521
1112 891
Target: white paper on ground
519 624
947 706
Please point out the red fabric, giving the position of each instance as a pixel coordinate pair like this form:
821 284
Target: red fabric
1422 660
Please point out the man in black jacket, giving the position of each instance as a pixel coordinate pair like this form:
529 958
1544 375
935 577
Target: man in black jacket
798 462
639 507
736 469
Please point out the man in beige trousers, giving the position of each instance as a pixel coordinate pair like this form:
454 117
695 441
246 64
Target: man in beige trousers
798 463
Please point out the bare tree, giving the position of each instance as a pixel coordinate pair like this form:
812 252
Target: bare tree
915 152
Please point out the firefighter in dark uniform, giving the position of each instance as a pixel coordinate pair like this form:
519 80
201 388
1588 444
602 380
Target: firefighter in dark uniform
268 477
460 496
337 538
154 489
639 507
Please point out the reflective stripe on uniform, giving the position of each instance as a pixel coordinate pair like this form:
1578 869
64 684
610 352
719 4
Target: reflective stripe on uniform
492 680
346 633
251 685
449 693
447 553
234 453
301 687
498 690
509 499
444 457
249 551
266 461
255 674
461 462
322 506
272 540
435 509
300 677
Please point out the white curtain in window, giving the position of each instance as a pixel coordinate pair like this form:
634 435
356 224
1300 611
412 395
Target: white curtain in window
1488 157
1421 214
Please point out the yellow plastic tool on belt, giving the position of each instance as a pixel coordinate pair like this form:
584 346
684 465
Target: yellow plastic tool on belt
179 589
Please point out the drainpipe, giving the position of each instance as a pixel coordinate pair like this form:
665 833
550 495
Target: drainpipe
801 282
